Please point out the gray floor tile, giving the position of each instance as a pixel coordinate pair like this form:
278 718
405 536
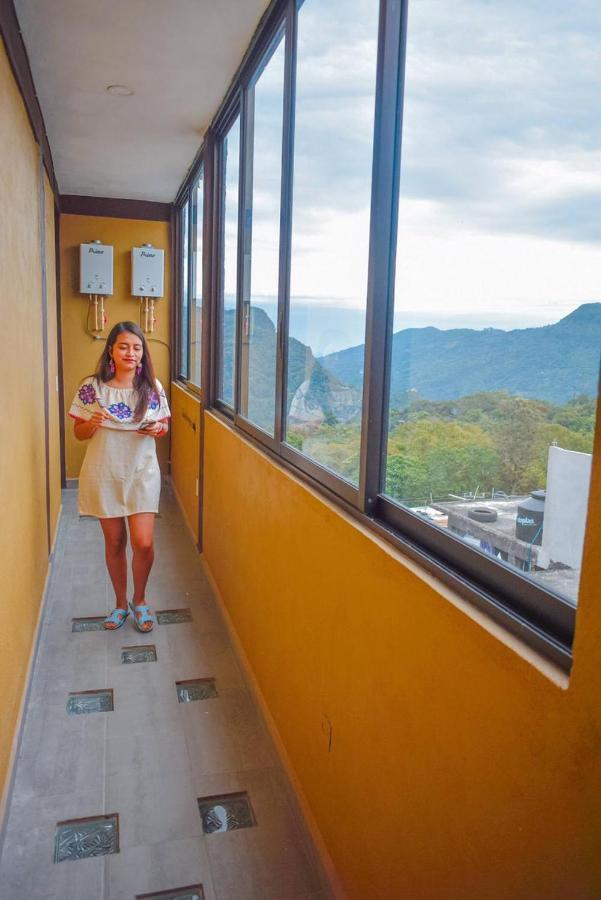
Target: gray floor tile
32 878
68 757
154 807
158 867
159 755
208 655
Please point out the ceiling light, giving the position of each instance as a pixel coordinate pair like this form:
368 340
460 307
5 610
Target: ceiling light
119 90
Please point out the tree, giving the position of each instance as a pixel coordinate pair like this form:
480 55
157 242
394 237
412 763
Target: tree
515 437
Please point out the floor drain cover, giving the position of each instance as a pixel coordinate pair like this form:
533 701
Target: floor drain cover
226 812
80 838
147 653
89 702
192 892
197 689
173 616
91 623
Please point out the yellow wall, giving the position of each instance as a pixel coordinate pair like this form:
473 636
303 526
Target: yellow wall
81 352
54 410
23 534
457 770
185 452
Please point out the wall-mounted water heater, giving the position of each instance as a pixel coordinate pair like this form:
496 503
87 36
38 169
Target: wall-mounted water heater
96 269
147 271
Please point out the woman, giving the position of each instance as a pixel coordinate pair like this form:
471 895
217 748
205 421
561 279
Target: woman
121 410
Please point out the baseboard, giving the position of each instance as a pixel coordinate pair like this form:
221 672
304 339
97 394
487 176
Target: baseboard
316 844
7 790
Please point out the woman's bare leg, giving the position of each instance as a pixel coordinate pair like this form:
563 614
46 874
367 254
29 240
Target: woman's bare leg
141 534
115 542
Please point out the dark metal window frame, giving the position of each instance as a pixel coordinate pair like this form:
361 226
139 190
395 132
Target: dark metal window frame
279 30
187 196
193 256
232 112
542 619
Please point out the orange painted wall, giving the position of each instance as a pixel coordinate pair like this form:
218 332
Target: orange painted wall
457 770
81 352
185 452
53 407
23 533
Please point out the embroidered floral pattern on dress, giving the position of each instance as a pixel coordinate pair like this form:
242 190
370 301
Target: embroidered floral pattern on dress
86 393
121 410
153 401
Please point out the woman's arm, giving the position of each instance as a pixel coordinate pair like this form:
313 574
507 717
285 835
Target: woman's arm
84 430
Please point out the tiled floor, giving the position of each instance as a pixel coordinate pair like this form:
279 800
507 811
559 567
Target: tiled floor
152 758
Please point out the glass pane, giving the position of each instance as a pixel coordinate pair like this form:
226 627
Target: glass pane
227 355
183 342
335 92
196 311
496 348
262 242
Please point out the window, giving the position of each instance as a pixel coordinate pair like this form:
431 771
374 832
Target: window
495 352
229 269
433 362
263 185
184 303
197 269
333 148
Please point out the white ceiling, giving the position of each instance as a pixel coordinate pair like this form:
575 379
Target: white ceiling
179 56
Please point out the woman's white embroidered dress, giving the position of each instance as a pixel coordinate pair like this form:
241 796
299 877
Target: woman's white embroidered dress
120 474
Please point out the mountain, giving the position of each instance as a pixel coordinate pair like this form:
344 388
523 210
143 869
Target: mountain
314 394
552 362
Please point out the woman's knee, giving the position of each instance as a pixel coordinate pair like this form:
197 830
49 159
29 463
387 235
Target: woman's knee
143 546
115 544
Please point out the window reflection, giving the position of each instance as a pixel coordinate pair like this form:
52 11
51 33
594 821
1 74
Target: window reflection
334 117
227 325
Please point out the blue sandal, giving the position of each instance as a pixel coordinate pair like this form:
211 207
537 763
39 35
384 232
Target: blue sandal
115 619
145 617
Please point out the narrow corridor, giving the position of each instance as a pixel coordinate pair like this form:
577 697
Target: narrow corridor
151 758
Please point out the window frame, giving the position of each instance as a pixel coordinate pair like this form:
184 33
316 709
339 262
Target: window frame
541 618
193 260
180 370
233 111
185 197
279 30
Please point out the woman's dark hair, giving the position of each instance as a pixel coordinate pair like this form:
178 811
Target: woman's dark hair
145 382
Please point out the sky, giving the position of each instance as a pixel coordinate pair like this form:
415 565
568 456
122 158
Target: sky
501 161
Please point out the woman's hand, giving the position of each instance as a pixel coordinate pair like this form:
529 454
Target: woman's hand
98 417
154 429
85 429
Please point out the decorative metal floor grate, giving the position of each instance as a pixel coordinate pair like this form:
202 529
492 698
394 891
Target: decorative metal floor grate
191 892
173 616
81 702
90 623
143 653
81 838
196 689
226 812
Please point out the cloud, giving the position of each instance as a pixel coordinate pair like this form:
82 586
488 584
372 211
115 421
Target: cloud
493 91
501 137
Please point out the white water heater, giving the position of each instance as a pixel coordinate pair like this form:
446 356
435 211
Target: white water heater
147 271
96 269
